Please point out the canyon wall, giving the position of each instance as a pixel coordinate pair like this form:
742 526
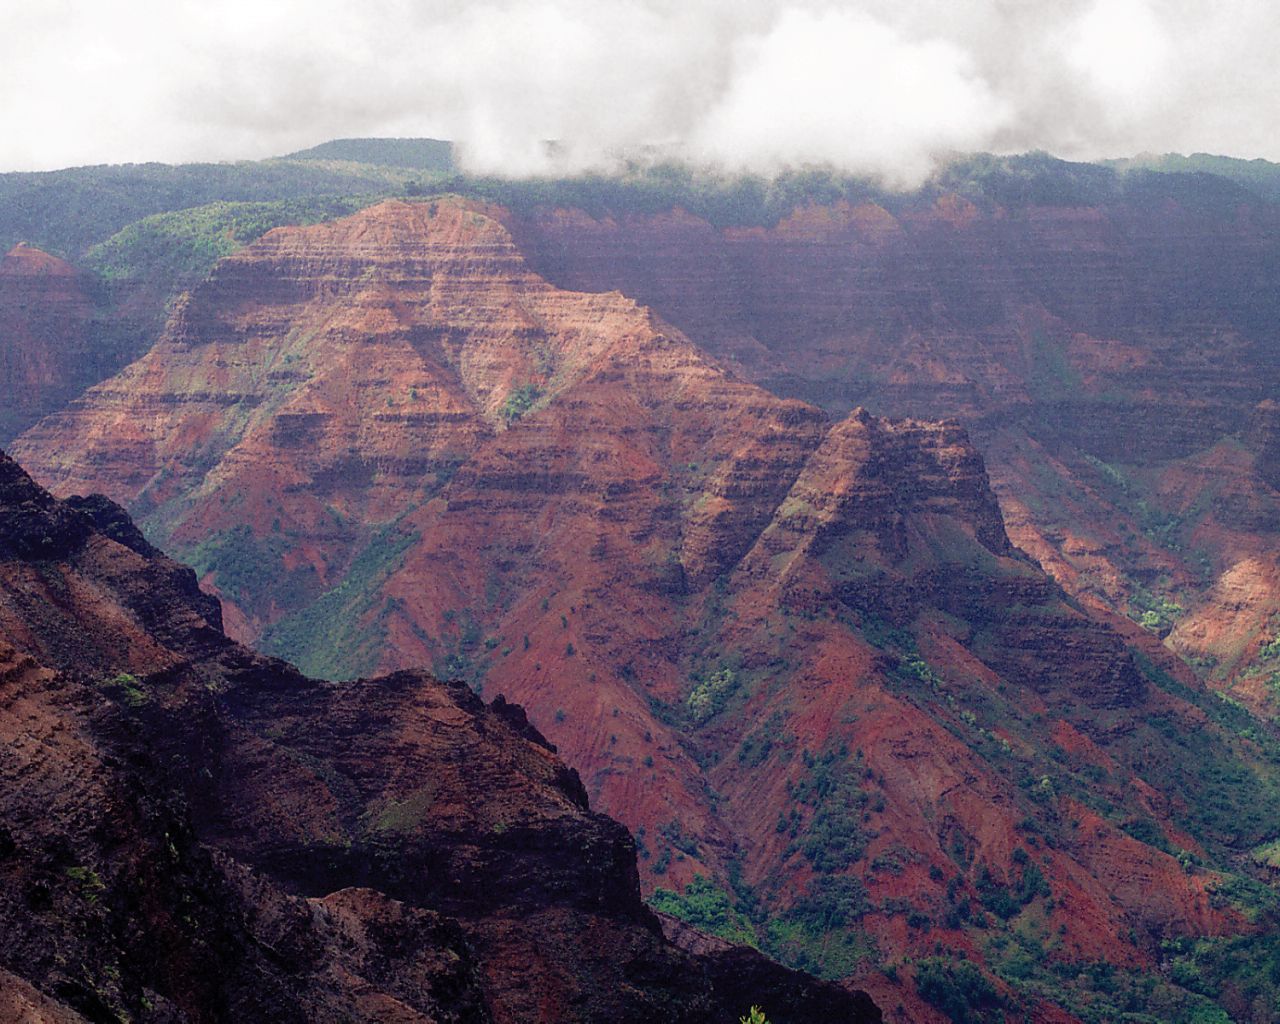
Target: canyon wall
1114 357
192 832
799 658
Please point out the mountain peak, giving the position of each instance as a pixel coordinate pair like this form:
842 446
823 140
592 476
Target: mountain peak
25 260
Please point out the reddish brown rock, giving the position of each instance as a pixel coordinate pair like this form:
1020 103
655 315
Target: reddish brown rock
47 326
782 650
193 832
1101 350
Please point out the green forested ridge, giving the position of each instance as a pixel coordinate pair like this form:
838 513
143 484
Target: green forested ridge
66 212
432 155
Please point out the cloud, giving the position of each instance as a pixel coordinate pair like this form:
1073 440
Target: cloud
839 87
881 87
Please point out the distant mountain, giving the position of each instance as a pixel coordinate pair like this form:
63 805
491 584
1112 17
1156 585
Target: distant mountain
431 155
1262 177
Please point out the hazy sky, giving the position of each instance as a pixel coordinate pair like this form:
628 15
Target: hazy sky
879 86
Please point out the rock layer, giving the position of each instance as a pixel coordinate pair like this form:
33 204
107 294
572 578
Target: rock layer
195 833
1101 349
800 659
47 320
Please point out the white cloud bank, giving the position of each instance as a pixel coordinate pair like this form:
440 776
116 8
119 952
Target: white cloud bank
876 86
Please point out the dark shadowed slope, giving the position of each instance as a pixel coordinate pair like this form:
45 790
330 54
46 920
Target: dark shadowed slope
191 832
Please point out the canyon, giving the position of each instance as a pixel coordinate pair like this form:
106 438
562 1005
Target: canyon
1109 341
808 655
193 832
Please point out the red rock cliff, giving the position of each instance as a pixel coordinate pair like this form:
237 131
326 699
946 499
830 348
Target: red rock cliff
799 654
193 832
1108 356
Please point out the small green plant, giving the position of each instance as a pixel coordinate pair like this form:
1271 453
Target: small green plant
521 399
709 695
754 1016
135 696
89 881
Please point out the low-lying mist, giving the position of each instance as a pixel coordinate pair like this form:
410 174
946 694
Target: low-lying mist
876 87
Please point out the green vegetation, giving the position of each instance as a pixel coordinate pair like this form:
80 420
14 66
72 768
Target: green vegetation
1261 177
958 989
339 635
819 934
723 200
832 953
834 838
403 816
1005 901
754 1016
1134 496
1153 612
1242 973
88 880
708 908
1266 663
757 746
1224 778
67 212
1052 374
129 686
711 691
1268 855
462 651
831 902
520 401
175 249
1204 981
250 570
430 155
1220 772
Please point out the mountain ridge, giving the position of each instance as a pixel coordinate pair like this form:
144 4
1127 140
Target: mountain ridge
194 832
801 659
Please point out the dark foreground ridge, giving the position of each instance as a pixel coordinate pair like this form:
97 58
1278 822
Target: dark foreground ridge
192 832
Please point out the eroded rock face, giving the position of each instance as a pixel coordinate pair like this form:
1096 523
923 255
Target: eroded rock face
1108 355
195 833
47 320
795 653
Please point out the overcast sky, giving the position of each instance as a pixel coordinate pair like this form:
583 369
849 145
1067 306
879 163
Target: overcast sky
877 86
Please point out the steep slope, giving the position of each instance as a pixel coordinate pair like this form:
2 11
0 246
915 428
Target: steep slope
323 377
47 319
192 832
844 716
1108 345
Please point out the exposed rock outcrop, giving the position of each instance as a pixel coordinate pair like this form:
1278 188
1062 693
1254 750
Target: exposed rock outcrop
800 655
47 323
195 833
1104 352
